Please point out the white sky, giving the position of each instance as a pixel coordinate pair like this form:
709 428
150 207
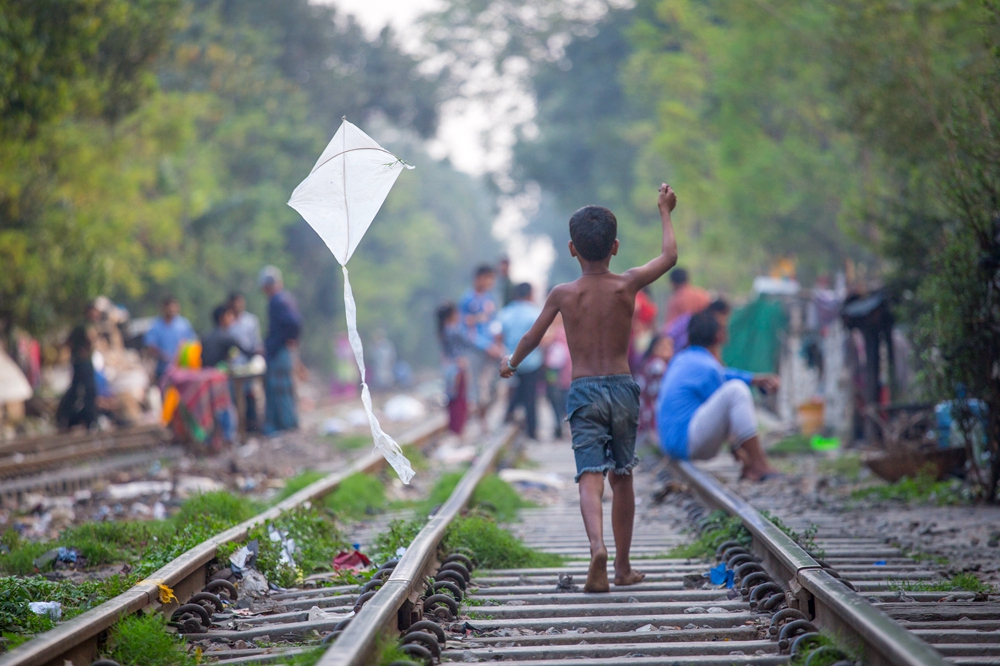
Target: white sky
460 138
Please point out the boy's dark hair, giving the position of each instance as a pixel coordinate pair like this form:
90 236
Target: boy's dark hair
703 329
233 295
218 313
678 276
719 306
593 230
444 311
485 269
168 300
522 291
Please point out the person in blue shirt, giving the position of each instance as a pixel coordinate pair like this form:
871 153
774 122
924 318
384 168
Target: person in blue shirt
703 404
280 345
516 319
166 335
478 310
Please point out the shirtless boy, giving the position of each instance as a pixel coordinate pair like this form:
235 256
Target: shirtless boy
603 402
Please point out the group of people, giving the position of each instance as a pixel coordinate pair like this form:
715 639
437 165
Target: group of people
695 404
486 322
234 340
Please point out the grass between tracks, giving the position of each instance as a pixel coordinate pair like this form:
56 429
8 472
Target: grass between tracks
143 640
923 489
493 546
962 582
719 528
492 495
826 644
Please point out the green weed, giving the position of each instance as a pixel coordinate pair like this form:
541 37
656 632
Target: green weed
493 494
350 442
792 445
389 650
963 582
356 496
399 534
143 640
494 547
220 505
923 489
298 482
305 658
846 466
720 527
316 538
75 598
806 540
824 640
415 454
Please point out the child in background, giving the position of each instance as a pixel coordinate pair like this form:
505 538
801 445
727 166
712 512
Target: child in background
648 376
603 402
454 347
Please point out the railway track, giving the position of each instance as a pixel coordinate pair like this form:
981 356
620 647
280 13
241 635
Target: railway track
446 611
64 463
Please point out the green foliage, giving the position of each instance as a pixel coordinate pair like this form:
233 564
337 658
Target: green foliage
389 650
805 656
317 541
218 505
845 465
358 495
919 490
493 495
75 598
299 481
795 444
806 539
962 582
350 442
494 547
398 534
143 640
307 657
719 528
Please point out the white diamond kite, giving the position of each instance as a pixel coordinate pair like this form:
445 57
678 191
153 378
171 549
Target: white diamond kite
339 199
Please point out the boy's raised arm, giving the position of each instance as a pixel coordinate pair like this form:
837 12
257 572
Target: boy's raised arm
533 337
640 276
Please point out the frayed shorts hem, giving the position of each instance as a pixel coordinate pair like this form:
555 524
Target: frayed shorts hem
607 467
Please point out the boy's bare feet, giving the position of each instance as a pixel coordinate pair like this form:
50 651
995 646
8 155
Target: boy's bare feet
630 578
597 575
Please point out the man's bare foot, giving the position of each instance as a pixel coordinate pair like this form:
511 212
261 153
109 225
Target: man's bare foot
631 578
597 575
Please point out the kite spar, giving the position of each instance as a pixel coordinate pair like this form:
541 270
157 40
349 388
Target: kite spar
339 199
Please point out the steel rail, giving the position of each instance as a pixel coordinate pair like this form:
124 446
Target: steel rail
355 645
77 638
846 613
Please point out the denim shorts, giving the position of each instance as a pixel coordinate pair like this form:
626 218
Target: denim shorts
603 415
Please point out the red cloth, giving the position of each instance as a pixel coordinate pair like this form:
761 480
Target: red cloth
354 560
458 406
645 310
204 395
687 299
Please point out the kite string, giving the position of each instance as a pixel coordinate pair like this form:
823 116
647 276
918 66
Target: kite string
390 449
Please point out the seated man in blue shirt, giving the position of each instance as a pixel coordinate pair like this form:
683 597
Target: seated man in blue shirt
516 320
702 404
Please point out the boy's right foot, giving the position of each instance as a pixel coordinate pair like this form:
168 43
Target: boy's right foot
597 575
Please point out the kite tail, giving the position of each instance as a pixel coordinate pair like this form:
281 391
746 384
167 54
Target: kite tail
387 445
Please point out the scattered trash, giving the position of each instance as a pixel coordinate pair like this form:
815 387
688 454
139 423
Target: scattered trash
452 455
196 485
252 585
333 426
880 563
245 557
357 418
248 449
720 575
159 511
354 560
50 608
127 491
566 584
695 609
287 545
695 581
404 408
644 628
61 554
533 479
317 613
716 610
140 509
166 594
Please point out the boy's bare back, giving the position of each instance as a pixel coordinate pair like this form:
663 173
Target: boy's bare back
597 308
597 314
